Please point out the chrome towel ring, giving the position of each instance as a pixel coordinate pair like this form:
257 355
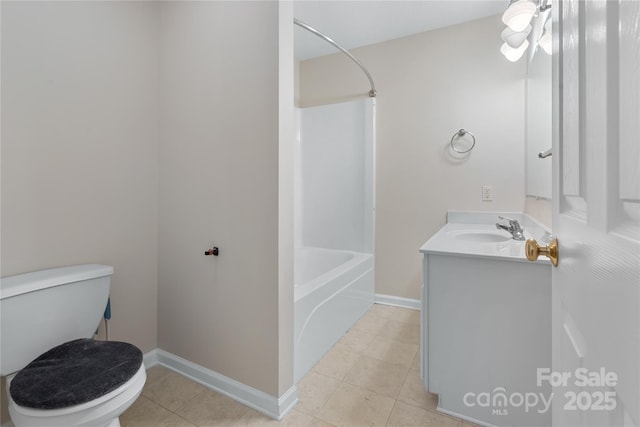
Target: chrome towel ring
460 134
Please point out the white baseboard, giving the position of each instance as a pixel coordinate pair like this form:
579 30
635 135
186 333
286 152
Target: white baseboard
463 417
411 303
274 407
150 359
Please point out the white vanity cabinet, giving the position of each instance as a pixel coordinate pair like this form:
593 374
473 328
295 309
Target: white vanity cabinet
486 327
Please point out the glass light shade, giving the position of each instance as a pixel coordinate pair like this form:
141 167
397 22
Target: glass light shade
515 39
545 42
518 15
514 54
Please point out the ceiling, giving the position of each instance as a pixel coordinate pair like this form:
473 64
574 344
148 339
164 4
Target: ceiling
363 22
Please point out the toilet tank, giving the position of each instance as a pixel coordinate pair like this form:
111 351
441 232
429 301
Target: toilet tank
42 309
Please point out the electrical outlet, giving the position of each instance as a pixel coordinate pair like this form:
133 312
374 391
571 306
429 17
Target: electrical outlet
487 193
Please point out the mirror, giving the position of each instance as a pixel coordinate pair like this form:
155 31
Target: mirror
538 125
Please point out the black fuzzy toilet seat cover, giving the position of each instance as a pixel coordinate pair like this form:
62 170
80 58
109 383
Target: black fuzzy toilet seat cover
75 372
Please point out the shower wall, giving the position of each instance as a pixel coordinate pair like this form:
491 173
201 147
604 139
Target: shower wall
334 197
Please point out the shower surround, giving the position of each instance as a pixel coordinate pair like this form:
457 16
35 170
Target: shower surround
333 225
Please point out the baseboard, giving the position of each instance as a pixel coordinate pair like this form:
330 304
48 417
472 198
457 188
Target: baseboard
150 359
411 303
273 407
462 417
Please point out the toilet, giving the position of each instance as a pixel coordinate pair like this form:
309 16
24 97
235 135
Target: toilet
57 374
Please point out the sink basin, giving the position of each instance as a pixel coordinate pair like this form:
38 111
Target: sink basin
482 236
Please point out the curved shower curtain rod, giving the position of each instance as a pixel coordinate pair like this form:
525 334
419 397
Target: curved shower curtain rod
372 92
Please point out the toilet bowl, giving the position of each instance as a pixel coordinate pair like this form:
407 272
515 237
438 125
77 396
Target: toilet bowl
57 374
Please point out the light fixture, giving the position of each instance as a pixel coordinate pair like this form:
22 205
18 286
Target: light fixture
514 54
519 13
515 39
545 40
518 18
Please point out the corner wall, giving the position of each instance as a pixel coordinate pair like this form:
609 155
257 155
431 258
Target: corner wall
287 130
539 209
429 86
219 185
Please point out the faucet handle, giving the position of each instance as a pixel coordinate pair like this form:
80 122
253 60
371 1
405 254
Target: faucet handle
512 222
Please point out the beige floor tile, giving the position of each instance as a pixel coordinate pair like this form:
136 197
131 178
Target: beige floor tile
380 310
337 362
397 352
296 419
315 390
408 316
413 392
408 415
317 422
398 331
212 409
144 413
469 424
371 322
357 340
378 376
378 360
256 419
398 314
415 365
354 406
175 421
172 390
155 373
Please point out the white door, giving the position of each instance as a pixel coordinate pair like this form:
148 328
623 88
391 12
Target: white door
596 298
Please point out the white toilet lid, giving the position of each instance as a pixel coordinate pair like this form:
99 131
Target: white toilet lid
75 372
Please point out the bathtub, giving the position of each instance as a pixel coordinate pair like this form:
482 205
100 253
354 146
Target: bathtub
332 290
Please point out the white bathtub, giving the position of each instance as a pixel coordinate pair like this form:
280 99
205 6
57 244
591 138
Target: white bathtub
333 289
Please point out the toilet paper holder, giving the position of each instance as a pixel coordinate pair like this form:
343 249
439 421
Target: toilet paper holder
212 251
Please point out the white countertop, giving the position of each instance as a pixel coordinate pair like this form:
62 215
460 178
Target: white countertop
466 238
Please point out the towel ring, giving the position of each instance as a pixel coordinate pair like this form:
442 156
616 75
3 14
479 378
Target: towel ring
460 134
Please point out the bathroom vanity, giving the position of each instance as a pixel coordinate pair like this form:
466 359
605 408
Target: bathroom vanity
486 322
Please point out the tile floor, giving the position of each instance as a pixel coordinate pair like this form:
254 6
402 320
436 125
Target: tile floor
370 378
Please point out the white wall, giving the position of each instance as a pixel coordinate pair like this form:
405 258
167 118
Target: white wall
539 209
219 185
538 132
79 148
429 86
